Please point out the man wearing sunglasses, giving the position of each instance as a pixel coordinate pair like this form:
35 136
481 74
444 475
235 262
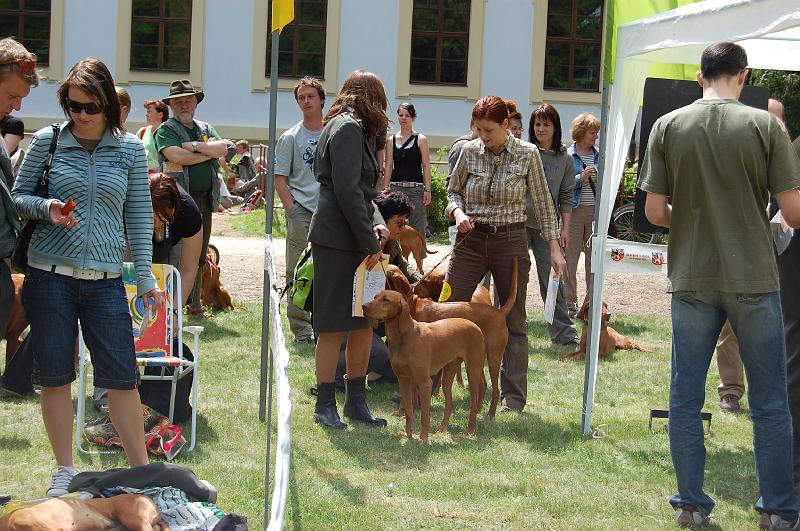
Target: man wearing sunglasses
189 150
17 76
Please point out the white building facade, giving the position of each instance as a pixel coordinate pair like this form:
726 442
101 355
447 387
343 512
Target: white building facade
440 55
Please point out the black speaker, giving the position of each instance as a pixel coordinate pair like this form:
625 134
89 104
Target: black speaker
662 96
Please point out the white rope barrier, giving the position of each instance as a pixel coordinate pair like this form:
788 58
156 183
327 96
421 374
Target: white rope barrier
277 343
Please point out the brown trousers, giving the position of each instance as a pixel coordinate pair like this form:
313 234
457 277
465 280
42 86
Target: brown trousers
580 230
474 255
729 363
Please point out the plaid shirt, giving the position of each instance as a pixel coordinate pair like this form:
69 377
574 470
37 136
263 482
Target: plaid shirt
491 188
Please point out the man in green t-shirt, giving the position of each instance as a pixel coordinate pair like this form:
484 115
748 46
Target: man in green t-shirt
718 160
190 149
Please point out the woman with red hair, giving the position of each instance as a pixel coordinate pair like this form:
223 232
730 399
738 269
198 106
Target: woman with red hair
486 197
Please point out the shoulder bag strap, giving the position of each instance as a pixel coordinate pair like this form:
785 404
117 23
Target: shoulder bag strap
41 185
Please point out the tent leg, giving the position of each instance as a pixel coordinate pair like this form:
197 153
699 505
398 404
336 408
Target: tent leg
600 233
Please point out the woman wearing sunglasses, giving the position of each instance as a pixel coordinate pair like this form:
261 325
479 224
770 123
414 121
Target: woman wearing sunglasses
75 259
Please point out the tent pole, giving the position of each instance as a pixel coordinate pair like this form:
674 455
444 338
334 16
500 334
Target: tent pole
596 278
269 196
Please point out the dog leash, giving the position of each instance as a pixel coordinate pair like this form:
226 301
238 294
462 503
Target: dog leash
446 255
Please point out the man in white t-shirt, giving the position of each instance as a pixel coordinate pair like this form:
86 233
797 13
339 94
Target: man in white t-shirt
297 187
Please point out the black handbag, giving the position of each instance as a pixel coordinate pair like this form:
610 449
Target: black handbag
19 258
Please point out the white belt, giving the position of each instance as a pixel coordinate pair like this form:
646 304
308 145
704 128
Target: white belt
75 272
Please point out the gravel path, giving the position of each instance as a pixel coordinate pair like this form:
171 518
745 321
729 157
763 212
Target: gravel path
242 271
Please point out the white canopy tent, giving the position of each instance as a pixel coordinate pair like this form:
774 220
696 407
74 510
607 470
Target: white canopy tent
769 30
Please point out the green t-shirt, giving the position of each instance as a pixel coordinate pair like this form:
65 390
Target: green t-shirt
719 160
201 175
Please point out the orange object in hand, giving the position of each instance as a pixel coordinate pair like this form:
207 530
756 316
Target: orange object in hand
68 207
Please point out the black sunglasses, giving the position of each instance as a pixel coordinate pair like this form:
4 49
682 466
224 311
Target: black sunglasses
88 108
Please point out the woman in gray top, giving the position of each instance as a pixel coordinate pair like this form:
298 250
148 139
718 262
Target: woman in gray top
344 231
544 130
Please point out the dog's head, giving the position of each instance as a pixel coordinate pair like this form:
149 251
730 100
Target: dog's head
583 313
430 286
386 305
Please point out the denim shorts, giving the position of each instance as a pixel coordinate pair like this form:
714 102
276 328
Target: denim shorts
55 303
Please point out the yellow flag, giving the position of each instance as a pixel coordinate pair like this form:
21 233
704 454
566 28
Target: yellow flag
282 13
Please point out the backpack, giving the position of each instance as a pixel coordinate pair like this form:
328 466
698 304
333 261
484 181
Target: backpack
301 290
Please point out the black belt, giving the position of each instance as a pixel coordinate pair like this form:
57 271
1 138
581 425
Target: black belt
498 229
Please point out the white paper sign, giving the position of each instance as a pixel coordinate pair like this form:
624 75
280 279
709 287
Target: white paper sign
367 283
622 256
550 300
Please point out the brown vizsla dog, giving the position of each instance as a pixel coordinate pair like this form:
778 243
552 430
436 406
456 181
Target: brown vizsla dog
610 339
17 322
126 511
430 287
419 350
412 241
214 295
491 320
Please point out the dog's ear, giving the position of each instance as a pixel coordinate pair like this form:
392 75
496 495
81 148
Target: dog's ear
398 282
584 311
606 313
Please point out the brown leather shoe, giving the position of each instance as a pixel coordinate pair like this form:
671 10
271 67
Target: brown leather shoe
730 403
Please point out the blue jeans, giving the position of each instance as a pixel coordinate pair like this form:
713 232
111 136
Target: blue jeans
55 303
697 318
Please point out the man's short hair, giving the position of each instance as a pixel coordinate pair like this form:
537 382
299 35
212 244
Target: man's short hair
13 55
243 143
722 59
308 81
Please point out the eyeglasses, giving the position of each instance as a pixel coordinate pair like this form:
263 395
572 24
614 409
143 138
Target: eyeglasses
88 108
401 222
515 128
27 67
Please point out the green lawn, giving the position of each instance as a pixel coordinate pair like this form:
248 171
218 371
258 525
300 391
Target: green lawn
529 471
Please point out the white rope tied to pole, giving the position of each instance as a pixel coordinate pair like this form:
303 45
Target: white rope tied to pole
281 364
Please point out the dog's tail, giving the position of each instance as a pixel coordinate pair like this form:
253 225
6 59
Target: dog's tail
425 246
512 296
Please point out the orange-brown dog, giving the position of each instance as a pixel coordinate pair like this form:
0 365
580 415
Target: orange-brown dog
430 287
412 241
17 322
123 512
214 295
610 339
491 320
419 350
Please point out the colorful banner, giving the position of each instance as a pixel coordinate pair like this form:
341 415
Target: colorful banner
623 11
282 13
622 256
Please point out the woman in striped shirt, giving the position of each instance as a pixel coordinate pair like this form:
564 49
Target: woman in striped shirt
75 258
584 131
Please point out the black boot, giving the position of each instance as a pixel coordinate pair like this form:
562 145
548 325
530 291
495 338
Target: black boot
325 411
355 403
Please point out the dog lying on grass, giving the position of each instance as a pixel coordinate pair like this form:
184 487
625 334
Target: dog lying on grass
118 513
610 339
419 350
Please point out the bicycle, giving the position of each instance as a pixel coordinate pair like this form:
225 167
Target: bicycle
622 222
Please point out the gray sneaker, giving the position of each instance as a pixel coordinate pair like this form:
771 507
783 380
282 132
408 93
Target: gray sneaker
773 521
62 476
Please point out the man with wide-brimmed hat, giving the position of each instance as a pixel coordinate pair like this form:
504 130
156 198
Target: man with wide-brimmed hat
190 149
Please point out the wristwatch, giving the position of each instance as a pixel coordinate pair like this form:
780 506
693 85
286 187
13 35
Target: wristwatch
194 146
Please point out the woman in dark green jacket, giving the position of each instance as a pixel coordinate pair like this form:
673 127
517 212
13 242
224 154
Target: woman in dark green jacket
344 230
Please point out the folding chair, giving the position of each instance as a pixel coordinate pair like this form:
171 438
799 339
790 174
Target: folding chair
153 340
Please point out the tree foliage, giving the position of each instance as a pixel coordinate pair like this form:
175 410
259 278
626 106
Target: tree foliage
783 86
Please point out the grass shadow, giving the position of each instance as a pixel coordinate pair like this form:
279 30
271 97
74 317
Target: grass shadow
338 481
14 443
212 330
